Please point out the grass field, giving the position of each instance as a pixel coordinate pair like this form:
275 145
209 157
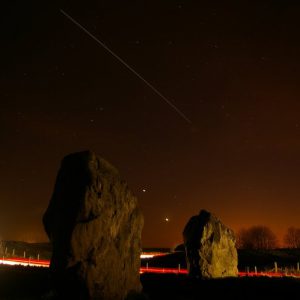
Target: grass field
20 283
183 288
24 283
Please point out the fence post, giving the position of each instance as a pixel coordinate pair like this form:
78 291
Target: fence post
38 258
247 271
13 253
255 270
179 268
147 265
275 267
24 254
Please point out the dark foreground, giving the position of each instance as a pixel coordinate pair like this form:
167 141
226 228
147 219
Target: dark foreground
33 283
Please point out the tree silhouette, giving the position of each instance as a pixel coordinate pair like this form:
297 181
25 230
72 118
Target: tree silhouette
256 237
292 237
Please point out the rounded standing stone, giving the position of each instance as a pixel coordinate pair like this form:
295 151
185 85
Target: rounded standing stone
210 247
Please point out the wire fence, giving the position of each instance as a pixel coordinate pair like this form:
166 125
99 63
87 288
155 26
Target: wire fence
275 271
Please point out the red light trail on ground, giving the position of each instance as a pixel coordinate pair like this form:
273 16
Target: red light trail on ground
162 270
46 263
25 262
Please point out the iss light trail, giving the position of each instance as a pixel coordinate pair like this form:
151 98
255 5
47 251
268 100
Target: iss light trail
152 87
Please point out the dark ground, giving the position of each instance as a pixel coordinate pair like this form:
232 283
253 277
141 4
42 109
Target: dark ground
20 283
181 287
23 282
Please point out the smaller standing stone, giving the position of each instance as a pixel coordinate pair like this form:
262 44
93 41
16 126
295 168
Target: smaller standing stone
210 247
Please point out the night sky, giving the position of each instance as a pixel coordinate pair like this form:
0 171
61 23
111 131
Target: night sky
232 67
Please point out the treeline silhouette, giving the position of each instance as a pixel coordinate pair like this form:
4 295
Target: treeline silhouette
262 237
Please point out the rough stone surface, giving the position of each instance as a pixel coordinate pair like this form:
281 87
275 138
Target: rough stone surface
210 247
94 225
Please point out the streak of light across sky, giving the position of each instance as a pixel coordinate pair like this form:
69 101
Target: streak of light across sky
154 89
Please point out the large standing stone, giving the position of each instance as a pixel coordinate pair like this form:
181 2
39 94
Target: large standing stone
210 247
95 225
